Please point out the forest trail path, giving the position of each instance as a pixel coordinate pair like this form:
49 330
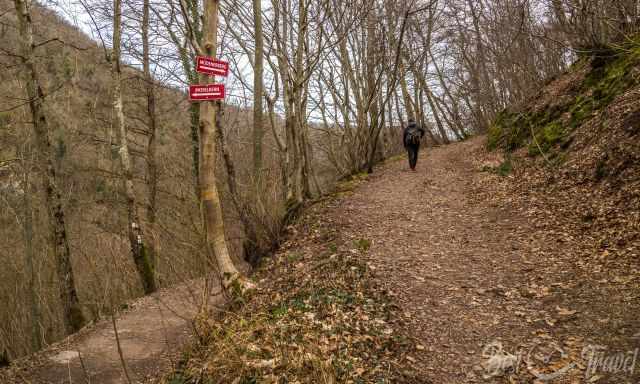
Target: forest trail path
152 332
450 260
471 266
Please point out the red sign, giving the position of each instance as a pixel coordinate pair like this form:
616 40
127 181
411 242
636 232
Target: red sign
212 67
206 92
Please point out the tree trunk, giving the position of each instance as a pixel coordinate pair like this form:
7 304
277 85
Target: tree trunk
298 106
372 87
72 316
209 196
408 103
436 116
136 234
258 68
36 335
194 116
152 168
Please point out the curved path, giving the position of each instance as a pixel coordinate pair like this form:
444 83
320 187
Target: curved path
152 333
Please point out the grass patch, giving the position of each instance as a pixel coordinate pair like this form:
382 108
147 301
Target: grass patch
362 245
504 169
546 138
347 185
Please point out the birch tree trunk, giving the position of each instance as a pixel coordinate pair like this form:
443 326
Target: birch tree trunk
139 251
297 104
209 196
72 316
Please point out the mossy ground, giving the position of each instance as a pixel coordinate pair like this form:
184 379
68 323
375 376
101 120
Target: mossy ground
543 130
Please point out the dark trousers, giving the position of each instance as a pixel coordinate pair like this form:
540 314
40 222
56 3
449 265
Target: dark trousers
413 150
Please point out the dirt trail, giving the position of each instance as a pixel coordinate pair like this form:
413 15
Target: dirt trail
151 332
470 271
446 259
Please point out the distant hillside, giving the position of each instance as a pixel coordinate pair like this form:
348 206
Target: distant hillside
75 76
76 80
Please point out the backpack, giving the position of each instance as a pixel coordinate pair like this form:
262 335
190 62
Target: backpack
413 135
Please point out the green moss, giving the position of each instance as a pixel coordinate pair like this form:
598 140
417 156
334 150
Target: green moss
178 378
294 257
60 147
581 111
5 119
77 319
68 67
145 270
278 311
505 168
611 74
546 138
601 170
497 130
493 136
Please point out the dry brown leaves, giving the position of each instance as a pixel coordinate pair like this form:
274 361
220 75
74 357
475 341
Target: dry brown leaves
588 203
318 317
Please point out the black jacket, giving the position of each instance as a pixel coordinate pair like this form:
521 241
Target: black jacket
411 126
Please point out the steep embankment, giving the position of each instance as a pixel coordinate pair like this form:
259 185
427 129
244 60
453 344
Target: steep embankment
578 142
75 77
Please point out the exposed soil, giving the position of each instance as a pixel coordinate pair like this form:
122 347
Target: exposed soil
490 287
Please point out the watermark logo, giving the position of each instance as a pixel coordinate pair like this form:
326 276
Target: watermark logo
602 361
547 362
498 361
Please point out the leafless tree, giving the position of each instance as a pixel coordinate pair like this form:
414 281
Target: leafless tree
73 318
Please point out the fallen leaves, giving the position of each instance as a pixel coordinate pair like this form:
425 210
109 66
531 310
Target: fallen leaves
319 317
565 311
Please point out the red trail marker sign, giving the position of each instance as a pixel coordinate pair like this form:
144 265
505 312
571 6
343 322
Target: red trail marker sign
212 67
206 92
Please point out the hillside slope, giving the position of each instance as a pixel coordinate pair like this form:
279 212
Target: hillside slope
75 77
578 143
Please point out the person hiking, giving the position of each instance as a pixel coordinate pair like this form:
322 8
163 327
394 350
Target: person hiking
412 136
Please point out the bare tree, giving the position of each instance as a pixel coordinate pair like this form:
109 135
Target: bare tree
139 250
258 71
152 168
209 123
73 318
